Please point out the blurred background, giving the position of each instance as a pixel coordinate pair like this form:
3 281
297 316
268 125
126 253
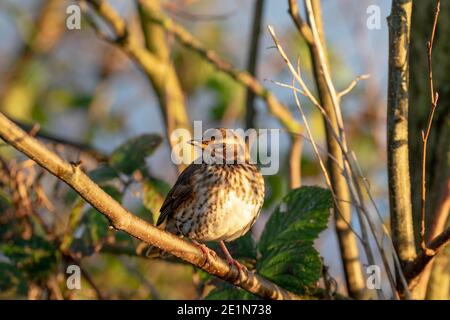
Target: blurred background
89 98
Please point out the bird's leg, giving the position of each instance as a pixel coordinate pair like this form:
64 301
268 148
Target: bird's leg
230 259
207 252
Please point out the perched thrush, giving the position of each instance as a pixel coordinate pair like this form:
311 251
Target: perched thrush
218 198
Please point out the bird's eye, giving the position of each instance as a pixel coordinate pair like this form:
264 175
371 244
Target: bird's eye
213 138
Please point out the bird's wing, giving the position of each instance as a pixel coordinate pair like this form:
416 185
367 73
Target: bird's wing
182 189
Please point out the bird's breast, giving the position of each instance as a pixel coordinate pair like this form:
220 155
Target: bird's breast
228 203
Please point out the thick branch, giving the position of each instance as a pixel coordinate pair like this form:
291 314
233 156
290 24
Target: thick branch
121 219
397 131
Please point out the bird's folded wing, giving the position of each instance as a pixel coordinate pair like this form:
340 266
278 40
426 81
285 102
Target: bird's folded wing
182 190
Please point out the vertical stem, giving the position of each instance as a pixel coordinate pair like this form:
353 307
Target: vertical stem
253 62
399 23
295 158
347 240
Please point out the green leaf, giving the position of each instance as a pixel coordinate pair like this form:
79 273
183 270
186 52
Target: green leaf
294 266
115 193
36 257
131 155
287 254
103 174
154 193
98 226
302 215
70 197
94 229
11 277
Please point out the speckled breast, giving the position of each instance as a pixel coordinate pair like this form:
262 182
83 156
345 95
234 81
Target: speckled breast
226 202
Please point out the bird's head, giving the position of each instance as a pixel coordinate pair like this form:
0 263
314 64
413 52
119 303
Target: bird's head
221 145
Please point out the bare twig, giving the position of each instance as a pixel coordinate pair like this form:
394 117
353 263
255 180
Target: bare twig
425 134
352 85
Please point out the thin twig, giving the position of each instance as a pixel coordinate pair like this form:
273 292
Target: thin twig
352 85
425 134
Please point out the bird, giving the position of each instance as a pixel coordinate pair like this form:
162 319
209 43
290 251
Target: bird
217 199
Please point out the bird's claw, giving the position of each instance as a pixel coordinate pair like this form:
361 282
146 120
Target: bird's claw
207 252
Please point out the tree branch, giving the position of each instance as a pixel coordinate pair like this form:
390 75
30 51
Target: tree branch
253 62
397 131
121 219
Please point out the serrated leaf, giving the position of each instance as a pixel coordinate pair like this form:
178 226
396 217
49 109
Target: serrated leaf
294 267
287 254
302 215
131 155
